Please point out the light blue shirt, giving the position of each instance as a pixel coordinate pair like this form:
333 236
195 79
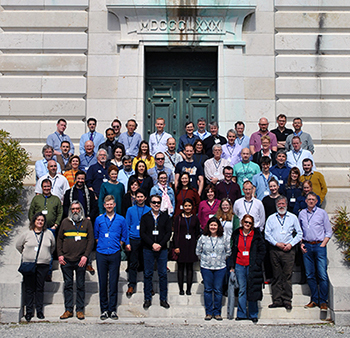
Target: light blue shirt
97 138
278 230
123 177
158 143
232 153
295 159
153 172
87 161
54 140
262 185
202 136
243 142
41 168
131 143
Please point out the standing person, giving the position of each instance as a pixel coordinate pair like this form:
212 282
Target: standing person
63 158
185 191
130 139
141 174
231 151
188 138
296 156
116 125
133 221
55 140
144 155
305 138
213 249
280 232
199 155
280 169
227 188
114 188
129 199
208 208
245 170
300 203
153 172
118 153
75 242
110 143
186 233
293 188
40 243
255 138
281 131
172 158
155 232
91 135
89 157
242 140
213 167
317 231
41 165
167 193
74 163
265 151
127 171
157 140
248 251
214 138
201 131
110 230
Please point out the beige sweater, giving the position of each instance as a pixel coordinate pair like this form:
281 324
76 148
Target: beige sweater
27 243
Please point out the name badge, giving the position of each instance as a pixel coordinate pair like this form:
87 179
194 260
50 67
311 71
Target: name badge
105 180
137 227
44 212
245 179
213 254
155 232
266 193
36 248
86 168
283 231
181 207
216 174
77 238
292 200
245 253
188 236
210 216
217 141
280 182
99 171
107 235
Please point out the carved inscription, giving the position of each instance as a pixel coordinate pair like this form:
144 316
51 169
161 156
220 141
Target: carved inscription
191 25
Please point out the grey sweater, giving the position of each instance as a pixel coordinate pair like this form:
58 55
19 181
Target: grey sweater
27 243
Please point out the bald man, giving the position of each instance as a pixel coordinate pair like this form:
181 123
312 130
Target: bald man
89 158
255 138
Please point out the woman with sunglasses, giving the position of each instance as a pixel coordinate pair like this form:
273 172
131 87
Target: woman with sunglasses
144 155
141 174
248 252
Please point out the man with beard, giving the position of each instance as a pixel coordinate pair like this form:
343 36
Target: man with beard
126 172
279 230
75 241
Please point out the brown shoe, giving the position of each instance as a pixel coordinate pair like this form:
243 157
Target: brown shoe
323 307
90 269
129 292
66 315
80 315
310 305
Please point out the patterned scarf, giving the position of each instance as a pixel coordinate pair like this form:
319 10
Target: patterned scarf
87 196
166 202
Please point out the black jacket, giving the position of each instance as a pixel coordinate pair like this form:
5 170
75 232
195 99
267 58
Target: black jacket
147 225
257 158
210 141
256 258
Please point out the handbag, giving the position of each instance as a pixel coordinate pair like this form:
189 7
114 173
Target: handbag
28 268
173 256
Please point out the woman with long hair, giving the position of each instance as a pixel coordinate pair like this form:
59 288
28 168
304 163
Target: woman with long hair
208 207
118 153
199 155
212 249
186 233
74 162
144 155
269 201
129 199
293 189
145 181
35 239
184 191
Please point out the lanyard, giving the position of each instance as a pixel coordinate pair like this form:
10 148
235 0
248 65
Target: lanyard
283 219
127 173
245 240
246 168
36 236
158 141
182 195
155 220
245 207
90 157
214 245
110 221
223 223
297 159
45 201
240 141
217 166
188 222
202 136
214 204
228 191
309 218
298 134
60 138
228 149
128 138
266 181
138 214
80 226
53 183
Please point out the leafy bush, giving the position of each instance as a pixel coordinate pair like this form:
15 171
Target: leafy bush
341 224
14 162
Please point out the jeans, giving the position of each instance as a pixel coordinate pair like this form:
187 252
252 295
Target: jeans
108 273
213 280
68 272
149 256
34 286
133 258
242 273
316 255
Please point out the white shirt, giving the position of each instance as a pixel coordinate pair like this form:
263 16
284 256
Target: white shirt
253 208
59 185
295 159
214 168
157 143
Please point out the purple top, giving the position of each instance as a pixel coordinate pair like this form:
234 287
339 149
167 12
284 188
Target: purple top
205 211
255 140
315 225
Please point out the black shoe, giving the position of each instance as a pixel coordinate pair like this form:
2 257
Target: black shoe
28 317
104 315
255 320
164 304
40 315
188 293
274 305
114 315
240 318
182 293
288 305
147 304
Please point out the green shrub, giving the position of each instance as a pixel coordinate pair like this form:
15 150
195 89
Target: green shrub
14 162
341 223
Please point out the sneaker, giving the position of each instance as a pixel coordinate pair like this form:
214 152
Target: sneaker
129 292
208 317
147 304
90 269
40 315
66 315
104 315
323 307
218 317
310 305
114 315
164 304
80 315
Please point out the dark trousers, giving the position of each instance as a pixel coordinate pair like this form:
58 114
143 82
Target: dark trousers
282 264
108 272
68 272
34 287
134 260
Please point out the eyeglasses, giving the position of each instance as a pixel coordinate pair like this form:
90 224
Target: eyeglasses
155 202
246 222
160 159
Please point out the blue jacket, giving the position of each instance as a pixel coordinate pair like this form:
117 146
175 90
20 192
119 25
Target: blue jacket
133 219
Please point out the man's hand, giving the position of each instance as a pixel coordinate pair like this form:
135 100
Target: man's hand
177 250
280 245
128 247
214 180
156 247
303 249
61 260
287 247
82 262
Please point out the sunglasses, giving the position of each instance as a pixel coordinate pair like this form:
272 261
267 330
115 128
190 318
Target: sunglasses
246 222
160 158
155 202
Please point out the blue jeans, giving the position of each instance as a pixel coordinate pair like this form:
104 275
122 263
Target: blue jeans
316 255
149 256
213 280
242 273
108 266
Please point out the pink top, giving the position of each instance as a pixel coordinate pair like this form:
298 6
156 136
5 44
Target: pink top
205 211
255 140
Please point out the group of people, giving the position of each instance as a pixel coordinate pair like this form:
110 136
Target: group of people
244 206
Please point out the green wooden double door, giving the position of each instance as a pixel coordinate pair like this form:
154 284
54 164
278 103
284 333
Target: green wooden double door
180 87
